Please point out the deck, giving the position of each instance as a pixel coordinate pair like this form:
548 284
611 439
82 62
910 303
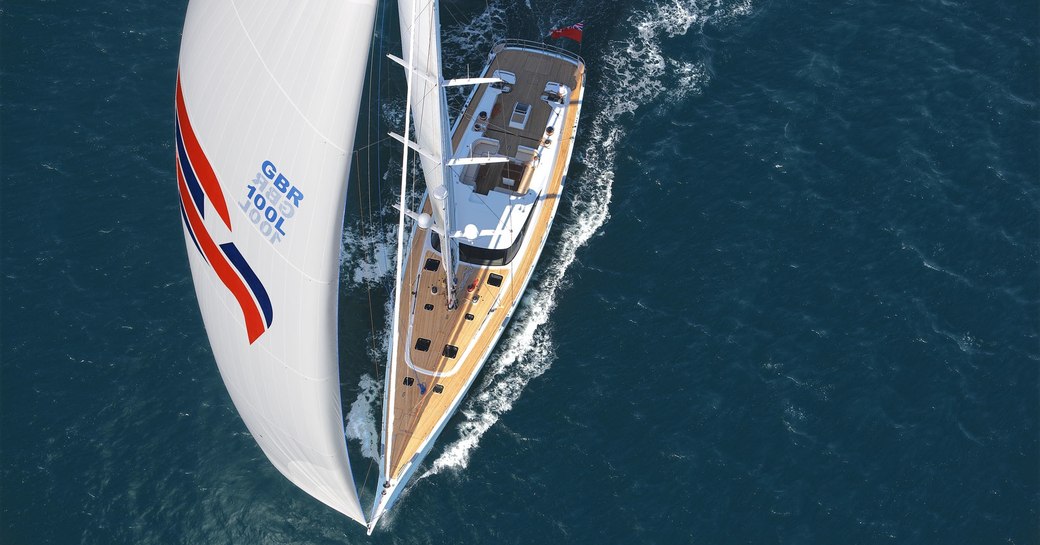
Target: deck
447 348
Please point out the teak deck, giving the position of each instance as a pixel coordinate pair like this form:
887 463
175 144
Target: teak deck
445 379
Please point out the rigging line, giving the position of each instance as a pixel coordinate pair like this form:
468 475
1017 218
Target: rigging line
379 121
368 132
368 180
368 287
457 21
368 164
367 472
495 128
373 144
461 26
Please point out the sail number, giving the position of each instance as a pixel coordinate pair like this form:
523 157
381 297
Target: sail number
271 201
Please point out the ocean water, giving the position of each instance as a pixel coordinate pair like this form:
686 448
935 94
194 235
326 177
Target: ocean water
791 296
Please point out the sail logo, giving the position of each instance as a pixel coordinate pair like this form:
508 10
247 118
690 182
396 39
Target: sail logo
270 201
196 184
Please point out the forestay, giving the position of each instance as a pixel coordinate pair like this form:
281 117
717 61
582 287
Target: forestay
267 103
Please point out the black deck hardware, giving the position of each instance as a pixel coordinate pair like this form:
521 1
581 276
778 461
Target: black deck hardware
450 351
432 264
408 381
422 344
428 306
469 316
438 388
495 279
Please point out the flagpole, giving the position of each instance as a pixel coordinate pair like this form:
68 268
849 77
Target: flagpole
580 41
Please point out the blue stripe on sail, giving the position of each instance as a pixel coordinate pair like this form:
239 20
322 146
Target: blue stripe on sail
194 188
233 255
184 216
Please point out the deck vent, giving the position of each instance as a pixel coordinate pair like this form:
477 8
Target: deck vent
469 316
439 388
428 306
495 280
432 264
422 344
450 351
408 381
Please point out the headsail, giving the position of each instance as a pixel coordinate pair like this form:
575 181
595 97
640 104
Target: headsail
267 103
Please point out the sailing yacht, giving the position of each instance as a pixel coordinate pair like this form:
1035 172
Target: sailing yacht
494 182
266 108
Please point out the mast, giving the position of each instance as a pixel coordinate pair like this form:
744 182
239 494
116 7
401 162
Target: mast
420 23
427 104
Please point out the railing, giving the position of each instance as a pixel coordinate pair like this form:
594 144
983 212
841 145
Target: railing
537 46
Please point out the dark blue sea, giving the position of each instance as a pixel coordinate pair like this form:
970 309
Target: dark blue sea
791 296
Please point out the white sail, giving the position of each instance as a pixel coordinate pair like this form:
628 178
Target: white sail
421 33
267 103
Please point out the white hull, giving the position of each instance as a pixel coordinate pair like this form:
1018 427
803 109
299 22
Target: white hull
456 376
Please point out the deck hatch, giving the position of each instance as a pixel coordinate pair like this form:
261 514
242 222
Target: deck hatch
450 351
439 388
432 264
422 344
428 306
469 316
494 279
520 114
408 381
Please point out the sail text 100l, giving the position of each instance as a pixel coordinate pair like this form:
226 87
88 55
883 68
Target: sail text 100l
264 205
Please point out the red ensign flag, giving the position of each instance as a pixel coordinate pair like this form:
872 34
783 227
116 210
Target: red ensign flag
573 32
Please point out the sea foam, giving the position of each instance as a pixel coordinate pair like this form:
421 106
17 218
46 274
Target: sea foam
633 74
527 350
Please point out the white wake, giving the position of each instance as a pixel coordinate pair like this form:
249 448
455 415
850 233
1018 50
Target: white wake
630 74
361 420
634 73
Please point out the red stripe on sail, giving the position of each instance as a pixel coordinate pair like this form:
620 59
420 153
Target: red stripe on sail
227 275
203 170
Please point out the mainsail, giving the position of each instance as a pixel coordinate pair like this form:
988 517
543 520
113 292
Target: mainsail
267 103
421 47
